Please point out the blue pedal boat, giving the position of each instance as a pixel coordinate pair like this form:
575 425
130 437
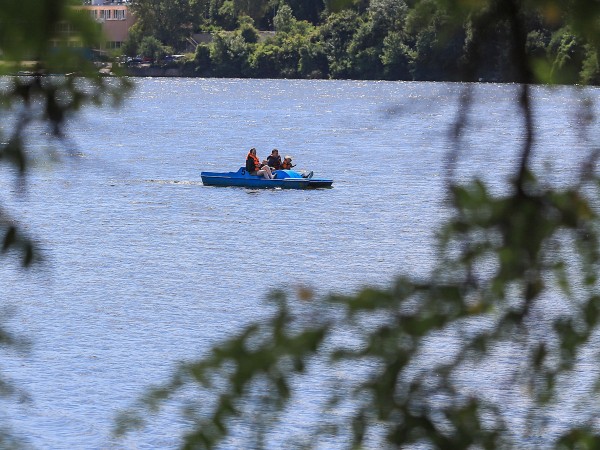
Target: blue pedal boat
284 179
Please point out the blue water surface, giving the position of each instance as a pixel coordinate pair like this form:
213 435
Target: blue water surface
145 267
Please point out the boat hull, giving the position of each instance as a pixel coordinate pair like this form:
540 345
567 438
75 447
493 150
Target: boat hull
285 179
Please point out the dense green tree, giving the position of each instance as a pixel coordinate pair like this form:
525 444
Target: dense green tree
167 20
202 60
214 6
252 8
309 10
150 47
284 20
590 72
537 44
337 34
364 52
397 58
247 30
226 13
131 46
200 11
265 61
439 54
367 46
354 35
227 16
291 53
360 6
229 55
290 56
567 53
278 58
387 15
491 54
313 61
286 24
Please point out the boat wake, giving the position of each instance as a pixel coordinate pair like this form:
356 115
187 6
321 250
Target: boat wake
182 182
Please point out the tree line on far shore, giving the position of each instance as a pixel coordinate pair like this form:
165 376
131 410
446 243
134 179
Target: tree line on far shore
370 40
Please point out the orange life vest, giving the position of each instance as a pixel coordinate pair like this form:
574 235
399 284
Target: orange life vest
286 165
256 161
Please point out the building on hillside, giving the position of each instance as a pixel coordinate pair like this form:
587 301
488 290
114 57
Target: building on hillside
114 18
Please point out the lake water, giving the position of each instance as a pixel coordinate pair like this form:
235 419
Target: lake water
145 267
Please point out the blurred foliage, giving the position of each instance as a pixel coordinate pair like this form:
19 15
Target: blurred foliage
505 325
501 259
47 74
166 20
48 58
152 48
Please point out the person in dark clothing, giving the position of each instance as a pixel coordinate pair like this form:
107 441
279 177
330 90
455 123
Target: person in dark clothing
274 160
250 164
255 167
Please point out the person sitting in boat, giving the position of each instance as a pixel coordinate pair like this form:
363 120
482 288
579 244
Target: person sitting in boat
255 167
287 163
274 160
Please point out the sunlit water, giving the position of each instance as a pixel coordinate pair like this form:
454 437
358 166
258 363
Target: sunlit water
145 267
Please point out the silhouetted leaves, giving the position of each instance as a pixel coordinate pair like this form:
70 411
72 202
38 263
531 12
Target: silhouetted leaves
503 260
45 80
35 30
514 273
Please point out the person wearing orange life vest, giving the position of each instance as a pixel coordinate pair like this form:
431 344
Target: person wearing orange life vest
255 167
287 163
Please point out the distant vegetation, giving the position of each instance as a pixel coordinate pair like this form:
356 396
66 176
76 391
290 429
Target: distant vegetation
370 40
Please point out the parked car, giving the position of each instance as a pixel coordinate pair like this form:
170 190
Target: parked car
170 58
134 61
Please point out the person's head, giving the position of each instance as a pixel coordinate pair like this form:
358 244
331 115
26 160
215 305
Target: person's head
288 158
275 152
253 151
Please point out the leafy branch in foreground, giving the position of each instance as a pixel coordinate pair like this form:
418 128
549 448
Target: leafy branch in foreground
47 48
262 355
481 353
47 74
407 353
